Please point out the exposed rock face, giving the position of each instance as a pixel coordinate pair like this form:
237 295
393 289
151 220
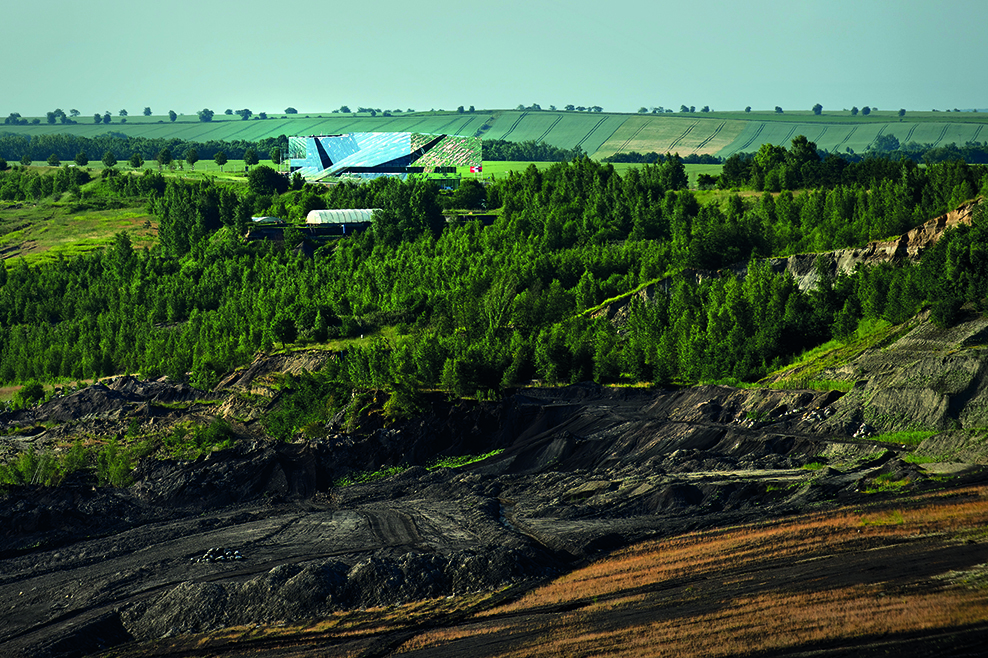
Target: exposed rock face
931 379
803 267
292 363
910 246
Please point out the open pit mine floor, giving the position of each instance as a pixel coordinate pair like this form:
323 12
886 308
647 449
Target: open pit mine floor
706 521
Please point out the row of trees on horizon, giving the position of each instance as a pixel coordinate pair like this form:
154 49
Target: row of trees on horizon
59 116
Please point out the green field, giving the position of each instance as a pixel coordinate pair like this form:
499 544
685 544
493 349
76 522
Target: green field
598 134
48 231
672 134
503 169
562 129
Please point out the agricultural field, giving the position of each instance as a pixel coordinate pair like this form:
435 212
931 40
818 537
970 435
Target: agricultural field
598 134
671 134
561 129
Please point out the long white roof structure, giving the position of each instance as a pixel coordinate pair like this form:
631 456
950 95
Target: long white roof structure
345 216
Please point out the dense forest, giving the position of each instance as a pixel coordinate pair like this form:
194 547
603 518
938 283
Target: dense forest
477 309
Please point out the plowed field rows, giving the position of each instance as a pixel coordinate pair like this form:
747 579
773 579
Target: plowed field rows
598 134
684 135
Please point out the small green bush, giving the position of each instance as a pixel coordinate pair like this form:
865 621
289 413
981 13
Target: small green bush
113 465
190 443
30 394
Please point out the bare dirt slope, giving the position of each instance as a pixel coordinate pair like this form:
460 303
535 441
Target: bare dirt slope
264 533
258 534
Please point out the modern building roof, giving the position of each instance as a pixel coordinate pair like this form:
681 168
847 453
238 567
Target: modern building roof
344 216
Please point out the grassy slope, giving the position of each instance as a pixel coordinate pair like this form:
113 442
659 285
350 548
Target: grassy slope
720 133
49 230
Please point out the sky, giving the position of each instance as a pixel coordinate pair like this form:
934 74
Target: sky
316 55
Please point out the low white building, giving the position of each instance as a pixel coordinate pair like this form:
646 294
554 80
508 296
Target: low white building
345 216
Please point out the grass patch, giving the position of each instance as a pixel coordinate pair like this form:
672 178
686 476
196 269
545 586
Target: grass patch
46 231
892 517
369 476
623 296
112 464
886 483
782 487
389 471
456 462
814 466
191 442
807 370
907 437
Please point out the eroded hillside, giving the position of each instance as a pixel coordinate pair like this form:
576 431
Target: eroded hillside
266 533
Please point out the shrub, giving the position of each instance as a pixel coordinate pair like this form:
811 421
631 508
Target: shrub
113 465
31 393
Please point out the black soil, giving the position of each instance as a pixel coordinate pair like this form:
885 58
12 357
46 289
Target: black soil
259 533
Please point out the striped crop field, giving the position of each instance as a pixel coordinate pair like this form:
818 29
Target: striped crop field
598 134
562 129
838 137
672 134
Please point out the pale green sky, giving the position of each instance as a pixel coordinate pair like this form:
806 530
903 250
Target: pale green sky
107 55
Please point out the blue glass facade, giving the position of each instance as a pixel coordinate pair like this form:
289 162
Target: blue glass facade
368 154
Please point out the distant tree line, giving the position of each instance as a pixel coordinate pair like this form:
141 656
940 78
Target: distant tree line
775 168
652 157
65 147
530 151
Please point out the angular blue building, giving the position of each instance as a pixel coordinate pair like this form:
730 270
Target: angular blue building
368 155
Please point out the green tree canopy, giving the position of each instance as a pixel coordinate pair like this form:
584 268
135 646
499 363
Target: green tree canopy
109 160
163 158
147 111
171 115
283 328
220 159
250 157
818 109
136 161
81 158
192 156
30 393
265 180
884 143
